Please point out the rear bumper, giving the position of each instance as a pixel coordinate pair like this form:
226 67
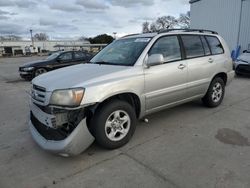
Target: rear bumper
73 144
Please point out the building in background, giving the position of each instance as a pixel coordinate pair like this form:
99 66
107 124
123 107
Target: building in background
10 48
230 18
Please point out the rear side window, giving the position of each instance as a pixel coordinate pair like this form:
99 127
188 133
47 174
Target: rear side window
79 55
167 46
205 46
193 46
215 45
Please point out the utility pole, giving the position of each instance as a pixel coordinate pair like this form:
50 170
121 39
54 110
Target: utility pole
32 41
240 22
114 34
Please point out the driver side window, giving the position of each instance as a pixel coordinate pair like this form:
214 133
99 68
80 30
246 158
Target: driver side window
167 46
66 56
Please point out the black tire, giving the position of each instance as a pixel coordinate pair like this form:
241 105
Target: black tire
39 71
209 99
103 115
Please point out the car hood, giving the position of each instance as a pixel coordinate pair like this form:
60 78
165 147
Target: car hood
245 57
82 75
34 63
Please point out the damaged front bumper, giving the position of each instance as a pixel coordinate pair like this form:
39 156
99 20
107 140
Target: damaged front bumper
54 139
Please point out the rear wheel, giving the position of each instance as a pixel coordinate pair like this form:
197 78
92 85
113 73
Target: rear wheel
215 93
113 124
40 71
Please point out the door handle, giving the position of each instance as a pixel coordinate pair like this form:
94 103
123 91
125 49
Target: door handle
181 66
210 60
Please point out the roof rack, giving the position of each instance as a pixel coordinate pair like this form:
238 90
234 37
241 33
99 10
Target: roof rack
188 30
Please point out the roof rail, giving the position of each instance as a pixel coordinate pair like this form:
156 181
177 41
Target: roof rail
188 30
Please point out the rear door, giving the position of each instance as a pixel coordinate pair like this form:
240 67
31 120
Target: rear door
65 59
79 57
200 64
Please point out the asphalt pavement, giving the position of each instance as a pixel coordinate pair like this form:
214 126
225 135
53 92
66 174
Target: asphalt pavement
187 146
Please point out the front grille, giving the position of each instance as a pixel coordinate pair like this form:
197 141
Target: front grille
38 93
47 132
39 88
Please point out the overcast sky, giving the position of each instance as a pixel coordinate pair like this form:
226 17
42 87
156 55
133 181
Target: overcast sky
74 18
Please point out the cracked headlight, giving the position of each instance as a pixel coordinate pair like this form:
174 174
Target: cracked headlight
67 97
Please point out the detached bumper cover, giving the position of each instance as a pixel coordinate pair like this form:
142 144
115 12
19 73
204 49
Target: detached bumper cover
41 128
78 141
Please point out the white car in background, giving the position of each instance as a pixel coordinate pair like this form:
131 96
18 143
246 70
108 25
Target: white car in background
242 64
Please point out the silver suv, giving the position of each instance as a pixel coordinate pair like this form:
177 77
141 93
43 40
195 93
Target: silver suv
132 77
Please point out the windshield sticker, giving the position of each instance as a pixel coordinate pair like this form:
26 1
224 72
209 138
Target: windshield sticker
142 40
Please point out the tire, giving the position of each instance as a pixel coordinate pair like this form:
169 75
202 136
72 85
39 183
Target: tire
113 124
215 93
39 71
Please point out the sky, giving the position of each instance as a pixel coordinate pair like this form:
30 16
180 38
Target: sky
74 18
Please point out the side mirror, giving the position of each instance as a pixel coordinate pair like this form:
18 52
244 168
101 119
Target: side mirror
155 59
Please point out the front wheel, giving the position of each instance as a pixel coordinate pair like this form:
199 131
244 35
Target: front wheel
215 93
40 71
113 124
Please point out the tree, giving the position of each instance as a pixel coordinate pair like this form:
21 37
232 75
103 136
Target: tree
82 38
41 36
153 27
184 20
166 22
101 39
145 27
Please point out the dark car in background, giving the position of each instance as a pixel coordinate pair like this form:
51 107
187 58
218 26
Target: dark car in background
55 61
242 64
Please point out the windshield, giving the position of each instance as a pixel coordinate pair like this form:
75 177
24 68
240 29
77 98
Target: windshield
123 52
53 56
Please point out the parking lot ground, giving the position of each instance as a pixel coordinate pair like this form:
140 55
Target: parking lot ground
187 146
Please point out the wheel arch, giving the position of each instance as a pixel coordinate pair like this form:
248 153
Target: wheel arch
129 97
221 75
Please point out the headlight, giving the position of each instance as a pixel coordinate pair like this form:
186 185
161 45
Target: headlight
68 97
28 68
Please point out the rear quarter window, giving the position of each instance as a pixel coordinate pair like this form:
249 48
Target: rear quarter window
205 46
215 45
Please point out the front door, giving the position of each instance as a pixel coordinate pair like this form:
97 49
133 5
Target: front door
165 84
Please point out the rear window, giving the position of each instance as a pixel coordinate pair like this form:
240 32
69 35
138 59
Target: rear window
215 45
193 46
